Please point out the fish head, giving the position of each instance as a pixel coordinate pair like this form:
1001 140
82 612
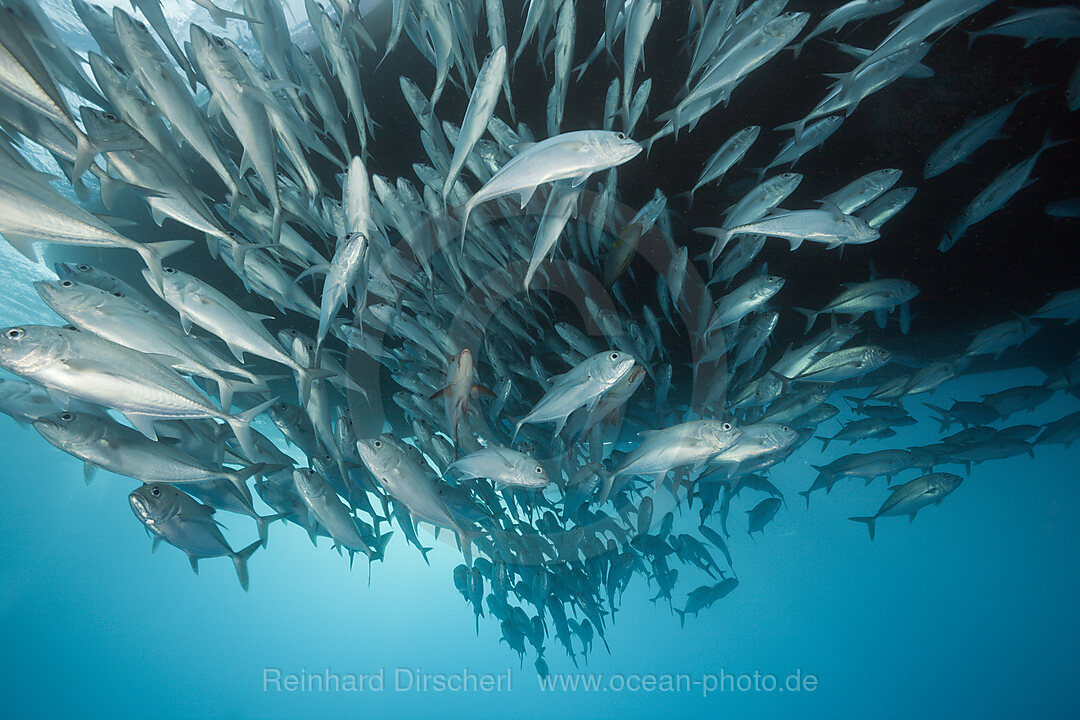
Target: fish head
459 368
770 285
108 131
876 356
863 231
945 483
787 25
154 503
308 482
134 35
378 454
69 296
722 435
31 347
615 148
174 283
82 273
782 436
531 472
610 366
907 289
68 429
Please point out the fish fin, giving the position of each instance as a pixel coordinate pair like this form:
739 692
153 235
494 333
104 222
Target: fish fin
306 376
240 425
153 253
194 563
870 521
59 397
439 394
811 317
240 562
525 195
481 390
155 544
88 472
84 155
26 245
143 423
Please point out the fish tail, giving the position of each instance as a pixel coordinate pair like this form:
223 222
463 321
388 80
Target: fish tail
945 421
811 317
306 376
153 253
263 521
241 423
240 561
465 224
870 523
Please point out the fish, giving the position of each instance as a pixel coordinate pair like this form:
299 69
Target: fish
570 156
183 522
912 496
504 466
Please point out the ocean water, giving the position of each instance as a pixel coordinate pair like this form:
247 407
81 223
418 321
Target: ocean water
968 610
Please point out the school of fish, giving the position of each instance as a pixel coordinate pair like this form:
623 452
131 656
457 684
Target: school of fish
573 392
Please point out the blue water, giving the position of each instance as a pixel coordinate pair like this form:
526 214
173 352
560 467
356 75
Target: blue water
967 611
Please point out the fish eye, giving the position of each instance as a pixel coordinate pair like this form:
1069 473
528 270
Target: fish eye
110 117
785 428
14 334
726 427
66 416
169 270
219 42
83 268
539 470
66 283
155 491
141 26
117 294
621 136
614 356
377 444
788 176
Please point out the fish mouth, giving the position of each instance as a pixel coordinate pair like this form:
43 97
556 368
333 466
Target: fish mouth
139 505
624 367
43 424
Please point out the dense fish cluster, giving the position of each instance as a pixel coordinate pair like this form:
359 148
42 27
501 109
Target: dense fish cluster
573 391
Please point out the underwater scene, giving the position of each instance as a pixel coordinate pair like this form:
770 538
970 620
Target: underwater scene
539 358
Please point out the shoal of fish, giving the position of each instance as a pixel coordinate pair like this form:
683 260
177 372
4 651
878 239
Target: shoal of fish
562 459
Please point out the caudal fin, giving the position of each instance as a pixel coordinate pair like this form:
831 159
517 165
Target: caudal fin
306 376
241 423
870 522
240 561
811 317
153 253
